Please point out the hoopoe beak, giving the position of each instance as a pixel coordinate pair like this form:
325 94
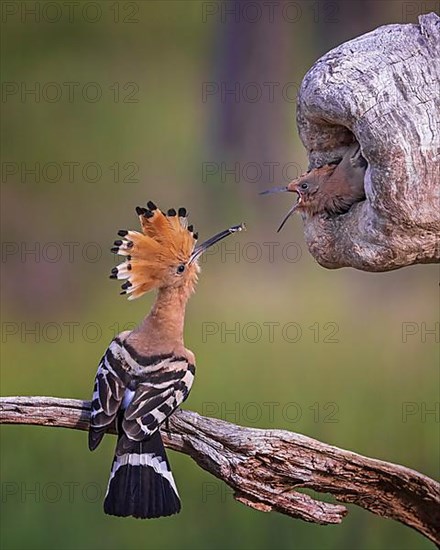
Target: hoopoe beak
280 189
201 248
292 187
289 213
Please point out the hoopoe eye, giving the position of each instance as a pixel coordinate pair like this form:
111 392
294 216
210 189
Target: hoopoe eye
304 186
181 269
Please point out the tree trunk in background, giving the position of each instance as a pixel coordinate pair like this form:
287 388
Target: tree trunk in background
252 64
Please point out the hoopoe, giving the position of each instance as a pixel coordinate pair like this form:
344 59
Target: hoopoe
332 188
146 373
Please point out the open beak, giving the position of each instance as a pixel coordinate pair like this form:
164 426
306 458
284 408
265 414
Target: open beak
201 248
289 213
281 189
292 187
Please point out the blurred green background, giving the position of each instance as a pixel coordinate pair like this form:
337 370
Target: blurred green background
357 370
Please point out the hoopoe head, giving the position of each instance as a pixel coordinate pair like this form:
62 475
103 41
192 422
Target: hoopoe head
165 253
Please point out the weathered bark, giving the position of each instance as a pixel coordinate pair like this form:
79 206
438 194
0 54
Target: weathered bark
383 88
266 467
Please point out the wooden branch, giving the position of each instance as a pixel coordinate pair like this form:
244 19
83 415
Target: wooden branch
381 88
266 467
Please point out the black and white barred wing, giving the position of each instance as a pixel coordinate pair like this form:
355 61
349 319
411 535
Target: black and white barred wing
110 383
164 386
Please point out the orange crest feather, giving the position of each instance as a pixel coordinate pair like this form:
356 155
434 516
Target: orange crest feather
165 242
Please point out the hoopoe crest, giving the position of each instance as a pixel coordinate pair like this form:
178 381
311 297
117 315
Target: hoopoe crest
160 254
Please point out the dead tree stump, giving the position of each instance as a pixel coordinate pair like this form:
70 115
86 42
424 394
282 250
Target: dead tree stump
383 89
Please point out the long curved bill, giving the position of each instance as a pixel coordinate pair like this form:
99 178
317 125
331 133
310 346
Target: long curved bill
289 213
283 189
198 250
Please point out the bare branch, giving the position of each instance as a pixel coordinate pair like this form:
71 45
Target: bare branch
265 468
382 88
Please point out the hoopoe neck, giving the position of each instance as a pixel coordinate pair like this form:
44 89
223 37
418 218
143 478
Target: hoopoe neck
162 329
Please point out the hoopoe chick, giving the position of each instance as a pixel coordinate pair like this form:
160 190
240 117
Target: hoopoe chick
145 374
331 189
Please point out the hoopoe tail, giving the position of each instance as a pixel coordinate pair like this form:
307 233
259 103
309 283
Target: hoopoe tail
141 483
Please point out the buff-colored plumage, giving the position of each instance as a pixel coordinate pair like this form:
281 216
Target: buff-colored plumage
329 190
165 242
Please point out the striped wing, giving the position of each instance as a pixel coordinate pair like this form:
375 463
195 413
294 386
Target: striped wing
149 388
110 384
164 386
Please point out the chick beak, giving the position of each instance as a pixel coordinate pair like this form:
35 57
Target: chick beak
281 189
289 213
292 187
201 248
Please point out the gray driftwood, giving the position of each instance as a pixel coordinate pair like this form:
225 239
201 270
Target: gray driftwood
383 88
265 468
